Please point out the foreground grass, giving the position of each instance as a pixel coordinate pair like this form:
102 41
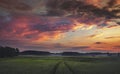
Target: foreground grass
26 66
60 65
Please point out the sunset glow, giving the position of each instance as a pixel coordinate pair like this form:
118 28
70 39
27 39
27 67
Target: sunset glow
67 25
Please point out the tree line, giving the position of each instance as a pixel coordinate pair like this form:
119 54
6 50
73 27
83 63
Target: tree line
8 52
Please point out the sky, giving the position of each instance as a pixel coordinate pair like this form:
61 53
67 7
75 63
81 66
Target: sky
61 25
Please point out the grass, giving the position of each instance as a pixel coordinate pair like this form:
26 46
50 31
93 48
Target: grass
60 65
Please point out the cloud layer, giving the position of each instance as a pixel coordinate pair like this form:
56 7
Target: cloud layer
44 20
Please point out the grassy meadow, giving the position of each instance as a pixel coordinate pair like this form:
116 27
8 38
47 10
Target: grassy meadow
60 65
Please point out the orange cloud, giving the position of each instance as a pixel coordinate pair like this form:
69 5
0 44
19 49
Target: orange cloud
36 28
104 48
95 35
117 1
112 37
94 2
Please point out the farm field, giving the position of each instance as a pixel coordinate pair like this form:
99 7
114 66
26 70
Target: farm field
60 65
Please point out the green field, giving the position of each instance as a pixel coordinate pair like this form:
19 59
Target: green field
60 65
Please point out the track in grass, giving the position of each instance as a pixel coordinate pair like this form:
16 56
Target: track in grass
55 68
70 69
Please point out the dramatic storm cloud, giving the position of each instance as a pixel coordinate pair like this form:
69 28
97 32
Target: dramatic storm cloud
60 24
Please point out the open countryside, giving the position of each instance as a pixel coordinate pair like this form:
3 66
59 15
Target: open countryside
60 65
59 36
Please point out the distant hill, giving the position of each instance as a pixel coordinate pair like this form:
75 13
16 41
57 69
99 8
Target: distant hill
32 52
89 54
70 54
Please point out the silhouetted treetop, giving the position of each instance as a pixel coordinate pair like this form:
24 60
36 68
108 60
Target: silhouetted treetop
8 51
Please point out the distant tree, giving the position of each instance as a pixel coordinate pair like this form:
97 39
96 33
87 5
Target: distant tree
109 54
8 52
118 54
17 51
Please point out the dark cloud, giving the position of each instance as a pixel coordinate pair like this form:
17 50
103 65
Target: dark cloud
111 3
83 12
60 25
12 42
15 5
92 36
117 46
118 23
79 7
59 45
34 47
99 43
80 10
63 7
80 47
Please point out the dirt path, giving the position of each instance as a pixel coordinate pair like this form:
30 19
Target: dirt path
70 69
54 70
